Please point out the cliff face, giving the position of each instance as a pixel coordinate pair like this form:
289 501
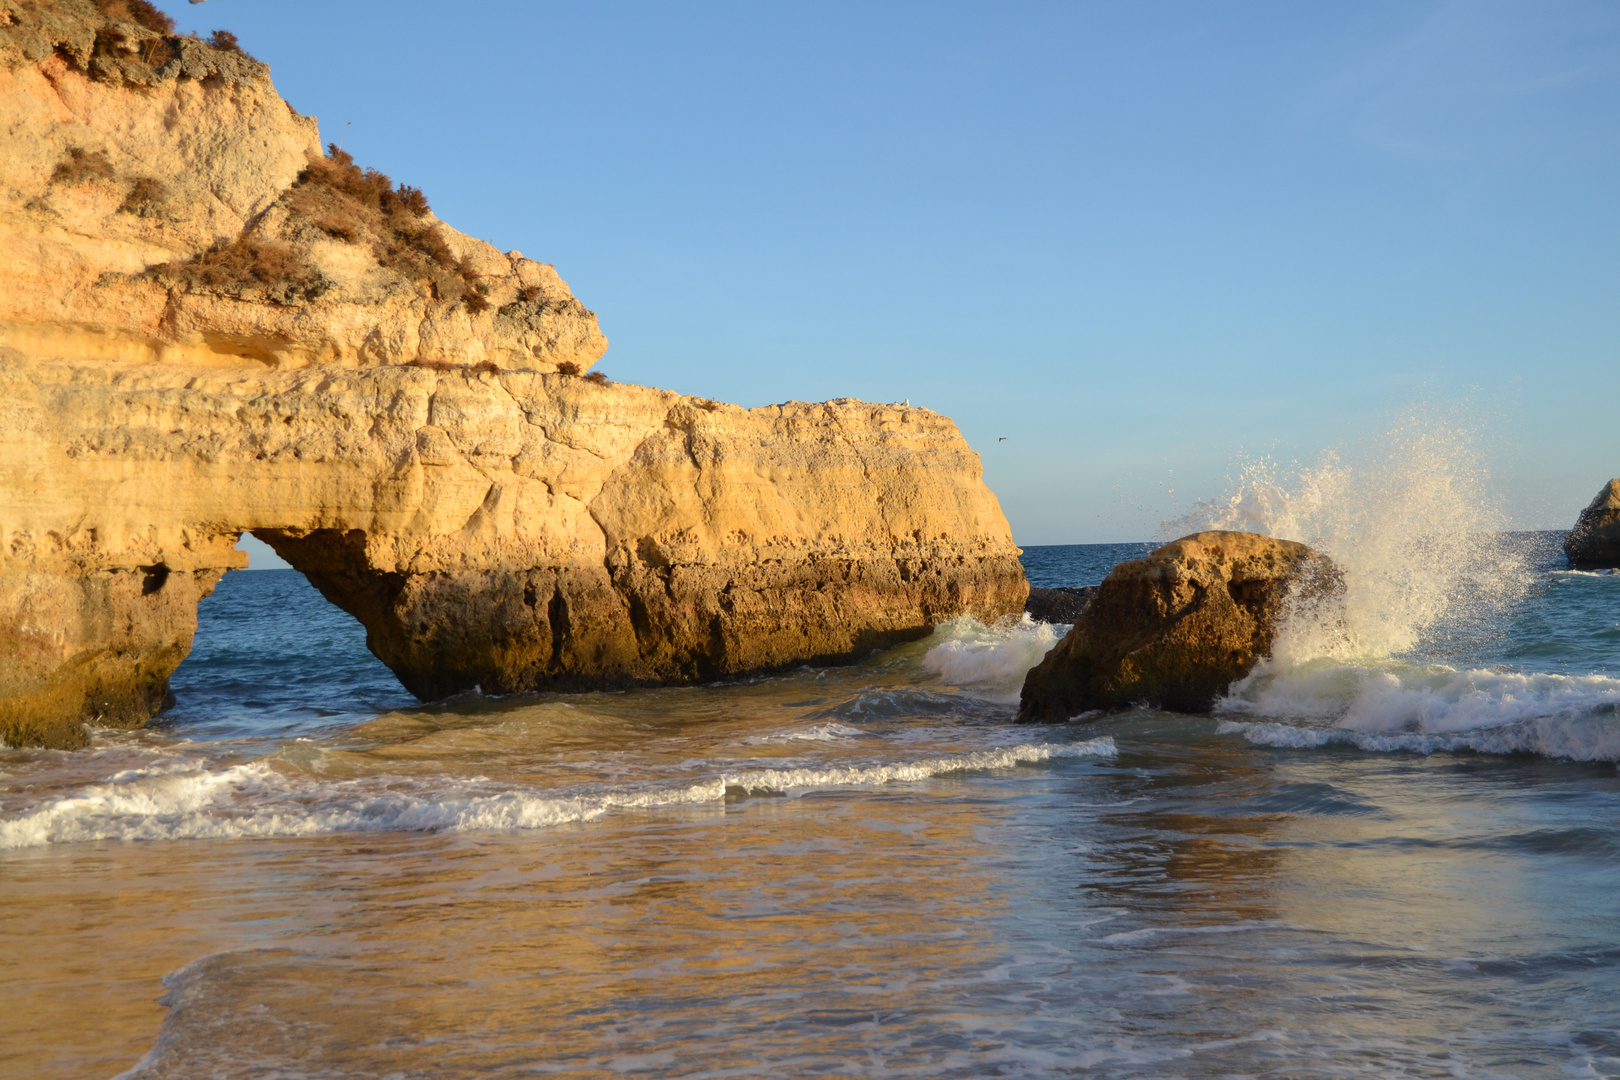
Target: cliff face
208 327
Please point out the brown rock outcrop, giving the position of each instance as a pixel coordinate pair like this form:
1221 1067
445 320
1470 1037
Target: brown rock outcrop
1594 542
209 327
1175 629
1061 605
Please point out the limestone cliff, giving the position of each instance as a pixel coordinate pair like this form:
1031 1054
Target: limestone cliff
209 326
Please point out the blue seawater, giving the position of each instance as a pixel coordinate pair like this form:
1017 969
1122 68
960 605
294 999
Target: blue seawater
1404 865
273 659
1058 565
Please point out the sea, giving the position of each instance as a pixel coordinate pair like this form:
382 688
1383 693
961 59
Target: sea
1392 851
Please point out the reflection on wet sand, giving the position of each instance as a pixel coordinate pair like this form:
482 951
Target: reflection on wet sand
1186 834
1194 906
562 949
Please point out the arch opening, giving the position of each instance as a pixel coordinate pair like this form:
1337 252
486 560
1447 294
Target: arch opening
273 657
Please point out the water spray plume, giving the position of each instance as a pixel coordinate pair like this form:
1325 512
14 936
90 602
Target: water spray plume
1410 521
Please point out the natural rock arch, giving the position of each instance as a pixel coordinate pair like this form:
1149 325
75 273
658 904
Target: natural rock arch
209 327
512 531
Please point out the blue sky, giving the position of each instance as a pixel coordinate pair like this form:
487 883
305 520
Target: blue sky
1141 241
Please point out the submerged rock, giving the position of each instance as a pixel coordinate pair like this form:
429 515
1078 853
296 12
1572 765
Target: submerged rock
1594 542
1176 628
209 327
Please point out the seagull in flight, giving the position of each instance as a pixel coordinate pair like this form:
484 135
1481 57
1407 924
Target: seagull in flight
1002 439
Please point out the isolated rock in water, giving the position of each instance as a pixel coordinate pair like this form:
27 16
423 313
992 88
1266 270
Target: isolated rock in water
1175 629
1594 542
207 327
1061 605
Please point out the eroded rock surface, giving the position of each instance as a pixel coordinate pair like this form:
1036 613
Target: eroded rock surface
1594 542
208 326
1176 628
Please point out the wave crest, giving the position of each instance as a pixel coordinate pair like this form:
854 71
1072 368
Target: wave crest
185 800
1408 519
989 662
1429 708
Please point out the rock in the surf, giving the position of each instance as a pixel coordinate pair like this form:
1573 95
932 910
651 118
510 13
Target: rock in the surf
1594 542
1060 605
208 326
1176 628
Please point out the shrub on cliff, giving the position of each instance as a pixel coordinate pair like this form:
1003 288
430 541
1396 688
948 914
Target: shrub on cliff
138 12
144 197
335 198
122 42
357 205
247 268
116 48
225 41
81 165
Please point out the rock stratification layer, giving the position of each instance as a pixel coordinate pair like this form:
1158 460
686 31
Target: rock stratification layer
208 326
1594 542
1175 629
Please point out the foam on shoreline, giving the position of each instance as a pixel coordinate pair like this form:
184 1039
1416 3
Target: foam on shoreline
188 800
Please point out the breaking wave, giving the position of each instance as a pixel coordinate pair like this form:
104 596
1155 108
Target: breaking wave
1429 708
1592 738
1430 575
187 800
829 732
1410 521
989 662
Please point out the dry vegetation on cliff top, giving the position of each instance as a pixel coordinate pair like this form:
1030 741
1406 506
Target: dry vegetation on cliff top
317 232
118 41
132 42
336 199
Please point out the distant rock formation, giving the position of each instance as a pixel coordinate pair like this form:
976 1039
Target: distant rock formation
1176 628
1061 605
208 326
1594 542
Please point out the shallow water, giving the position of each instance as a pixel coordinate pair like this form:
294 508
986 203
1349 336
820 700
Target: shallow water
1398 866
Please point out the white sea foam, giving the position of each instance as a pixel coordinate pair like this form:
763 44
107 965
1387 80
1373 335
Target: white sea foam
989 661
1137 937
791 780
1580 739
178 800
829 732
1430 708
1413 698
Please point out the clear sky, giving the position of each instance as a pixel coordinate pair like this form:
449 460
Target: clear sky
1137 240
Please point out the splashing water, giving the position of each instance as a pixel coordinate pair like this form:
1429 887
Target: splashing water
1409 521
989 660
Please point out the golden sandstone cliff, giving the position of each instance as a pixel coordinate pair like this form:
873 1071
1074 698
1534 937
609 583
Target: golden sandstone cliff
209 326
